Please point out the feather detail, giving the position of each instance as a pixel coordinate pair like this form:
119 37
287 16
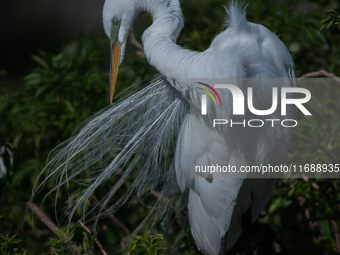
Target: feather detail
133 137
236 15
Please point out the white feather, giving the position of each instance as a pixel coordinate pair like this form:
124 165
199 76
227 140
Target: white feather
138 129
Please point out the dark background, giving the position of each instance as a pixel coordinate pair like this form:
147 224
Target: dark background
29 26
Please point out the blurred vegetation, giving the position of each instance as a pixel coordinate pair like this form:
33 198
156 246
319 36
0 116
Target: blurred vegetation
66 88
333 19
8 245
151 243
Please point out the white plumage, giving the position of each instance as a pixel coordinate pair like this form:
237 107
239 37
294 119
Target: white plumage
138 129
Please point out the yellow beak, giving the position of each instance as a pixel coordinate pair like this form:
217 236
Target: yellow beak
116 49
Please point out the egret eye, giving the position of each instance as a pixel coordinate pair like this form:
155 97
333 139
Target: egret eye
114 30
115 21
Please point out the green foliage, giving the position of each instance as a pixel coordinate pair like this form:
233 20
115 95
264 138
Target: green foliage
62 245
333 19
150 242
86 247
7 245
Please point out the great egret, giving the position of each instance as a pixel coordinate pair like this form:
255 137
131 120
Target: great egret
133 134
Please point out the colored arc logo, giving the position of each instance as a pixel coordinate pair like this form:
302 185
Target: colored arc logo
208 92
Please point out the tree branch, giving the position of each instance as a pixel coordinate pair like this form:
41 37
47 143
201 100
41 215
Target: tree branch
43 217
117 222
293 224
337 238
95 239
319 73
330 154
112 217
305 220
139 46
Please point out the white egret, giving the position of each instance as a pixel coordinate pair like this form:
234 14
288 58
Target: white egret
133 134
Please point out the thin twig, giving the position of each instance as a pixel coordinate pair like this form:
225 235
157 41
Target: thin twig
316 74
112 217
123 241
121 225
96 239
302 200
330 154
337 238
166 199
319 73
293 224
283 248
43 217
117 222
52 250
305 220
39 233
139 46
46 220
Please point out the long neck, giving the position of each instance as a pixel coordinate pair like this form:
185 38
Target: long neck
159 41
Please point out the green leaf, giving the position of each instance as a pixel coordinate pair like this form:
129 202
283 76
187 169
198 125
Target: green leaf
275 205
15 240
40 61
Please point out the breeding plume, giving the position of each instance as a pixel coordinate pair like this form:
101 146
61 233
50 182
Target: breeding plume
133 136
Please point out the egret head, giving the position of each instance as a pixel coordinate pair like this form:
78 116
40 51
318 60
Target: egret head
118 18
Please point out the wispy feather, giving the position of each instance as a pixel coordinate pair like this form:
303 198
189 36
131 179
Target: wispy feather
134 137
